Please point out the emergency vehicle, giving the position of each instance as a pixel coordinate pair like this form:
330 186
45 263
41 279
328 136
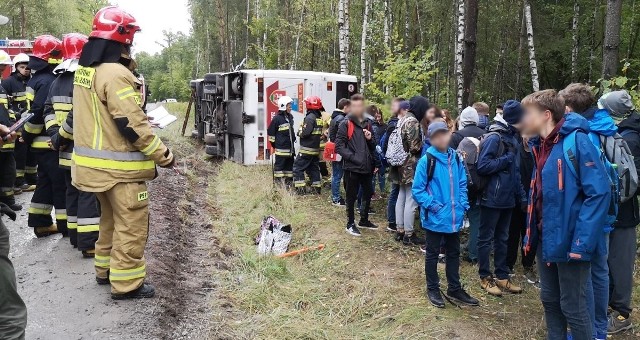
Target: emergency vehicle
14 47
233 110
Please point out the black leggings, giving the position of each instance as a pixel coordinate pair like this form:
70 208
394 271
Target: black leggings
352 183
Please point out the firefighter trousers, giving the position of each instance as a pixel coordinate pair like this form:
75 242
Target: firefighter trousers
306 164
7 177
283 169
26 165
13 312
83 216
124 227
50 192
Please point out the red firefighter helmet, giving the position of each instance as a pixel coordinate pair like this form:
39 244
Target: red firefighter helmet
112 23
72 45
48 48
313 103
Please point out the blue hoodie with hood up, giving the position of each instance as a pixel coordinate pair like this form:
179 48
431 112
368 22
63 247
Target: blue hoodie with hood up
574 209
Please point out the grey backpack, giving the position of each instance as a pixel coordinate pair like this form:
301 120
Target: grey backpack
617 151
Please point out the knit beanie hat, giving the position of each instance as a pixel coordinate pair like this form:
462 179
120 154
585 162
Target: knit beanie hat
512 112
618 103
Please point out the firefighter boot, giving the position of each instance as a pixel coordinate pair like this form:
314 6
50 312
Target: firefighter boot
45 231
89 254
146 290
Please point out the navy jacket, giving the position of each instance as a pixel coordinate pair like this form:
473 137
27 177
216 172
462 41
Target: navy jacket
37 93
573 209
629 212
504 188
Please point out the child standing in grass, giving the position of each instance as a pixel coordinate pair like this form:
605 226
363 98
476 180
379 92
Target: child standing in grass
440 189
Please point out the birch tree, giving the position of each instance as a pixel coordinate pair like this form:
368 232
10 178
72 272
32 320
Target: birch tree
611 54
574 50
363 43
387 24
342 35
295 55
532 50
459 55
469 54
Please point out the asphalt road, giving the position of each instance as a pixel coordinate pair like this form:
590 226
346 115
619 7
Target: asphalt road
62 297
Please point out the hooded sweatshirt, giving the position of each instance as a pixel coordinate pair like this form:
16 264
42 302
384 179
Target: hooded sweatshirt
336 118
629 214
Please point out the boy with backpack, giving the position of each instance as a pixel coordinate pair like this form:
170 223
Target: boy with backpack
498 163
622 240
467 142
568 203
357 147
603 133
440 190
399 108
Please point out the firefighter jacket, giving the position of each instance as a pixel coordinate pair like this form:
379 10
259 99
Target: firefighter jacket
311 133
326 122
113 139
56 109
37 93
16 87
282 135
7 118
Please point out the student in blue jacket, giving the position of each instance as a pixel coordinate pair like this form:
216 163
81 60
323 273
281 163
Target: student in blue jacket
440 189
566 211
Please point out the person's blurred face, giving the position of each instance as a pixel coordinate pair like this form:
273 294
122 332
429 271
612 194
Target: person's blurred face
441 140
23 70
378 117
534 120
499 111
395 107
431 115
289 108
357 108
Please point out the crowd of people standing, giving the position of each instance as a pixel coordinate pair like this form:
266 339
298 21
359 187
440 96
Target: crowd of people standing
532 182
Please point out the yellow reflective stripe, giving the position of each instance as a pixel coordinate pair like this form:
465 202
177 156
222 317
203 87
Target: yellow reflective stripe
63 132
30 95
98 163
97 128
127 274
62 106
31 170
88 228
65 162
48 124
125 92
151 148
101 261
272 139
72 225
54 61
38 209
40 142
9 146
33 128
61 216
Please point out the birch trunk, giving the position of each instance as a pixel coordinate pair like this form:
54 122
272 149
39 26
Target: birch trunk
347 30
303 11
532 50
459 55
342 37
520 47
387 19
574 50
469 54
611 55
363 43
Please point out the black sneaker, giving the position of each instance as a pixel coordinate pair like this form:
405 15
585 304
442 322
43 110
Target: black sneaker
423 248
367 225
618 323
15 207
435 298
392 227
143 292
442 258
353 230
410 240
463 297
339 203
399 237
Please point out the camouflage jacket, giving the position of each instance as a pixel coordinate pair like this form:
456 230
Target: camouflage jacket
412 140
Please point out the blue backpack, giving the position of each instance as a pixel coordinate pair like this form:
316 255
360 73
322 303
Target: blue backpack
569 147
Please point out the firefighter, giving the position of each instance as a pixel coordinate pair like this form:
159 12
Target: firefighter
283 138
307 160
50 188
16 87
83 213
324 169
7 160
115 152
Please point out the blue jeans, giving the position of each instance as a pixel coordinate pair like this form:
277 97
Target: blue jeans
335 180
494 229
381 179
474 229
598 293
391 205
563 292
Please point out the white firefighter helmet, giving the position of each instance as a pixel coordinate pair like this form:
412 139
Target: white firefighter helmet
20 58
283 102
5 59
